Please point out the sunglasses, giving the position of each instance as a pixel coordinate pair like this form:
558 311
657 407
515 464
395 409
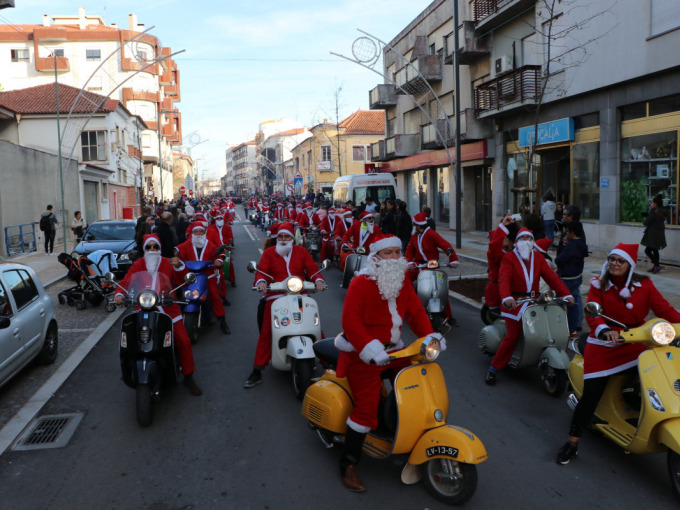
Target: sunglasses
616 260
153 247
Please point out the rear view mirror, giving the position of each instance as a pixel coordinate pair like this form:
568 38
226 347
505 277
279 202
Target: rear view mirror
593 309
110 277
252 266
189 278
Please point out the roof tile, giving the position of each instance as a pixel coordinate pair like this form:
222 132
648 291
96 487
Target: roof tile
42 99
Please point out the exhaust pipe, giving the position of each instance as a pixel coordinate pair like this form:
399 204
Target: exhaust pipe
572 401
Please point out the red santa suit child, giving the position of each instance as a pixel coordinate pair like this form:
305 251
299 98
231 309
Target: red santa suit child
361 234
276 264
500 242
152 264
327 228
198 248
220 233
378 301
520 275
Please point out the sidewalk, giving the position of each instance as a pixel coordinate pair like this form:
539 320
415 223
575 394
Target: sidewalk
47 267
475 244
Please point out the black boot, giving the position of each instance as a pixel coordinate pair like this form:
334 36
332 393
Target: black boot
351 453
224 326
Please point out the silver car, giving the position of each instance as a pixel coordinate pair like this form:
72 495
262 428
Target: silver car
28 328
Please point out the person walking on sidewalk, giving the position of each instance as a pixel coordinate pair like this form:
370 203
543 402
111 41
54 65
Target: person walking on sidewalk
654 237
570 262
48 224
548 215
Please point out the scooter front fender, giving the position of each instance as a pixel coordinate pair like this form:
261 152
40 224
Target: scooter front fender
556 358
669 434
300 347
146 369
448 442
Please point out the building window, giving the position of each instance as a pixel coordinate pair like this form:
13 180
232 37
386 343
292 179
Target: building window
105 191
93 55
146 141
309 158
95 83
326 153
358 153
664 16
57 52
586 179
19 55
93 145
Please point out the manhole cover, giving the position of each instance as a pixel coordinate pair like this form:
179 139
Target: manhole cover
53 431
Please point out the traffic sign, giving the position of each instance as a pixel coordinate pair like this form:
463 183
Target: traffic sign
297 182
191 192
298 175
290 187
182 189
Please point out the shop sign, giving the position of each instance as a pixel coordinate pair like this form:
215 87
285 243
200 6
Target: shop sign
549 132
604 182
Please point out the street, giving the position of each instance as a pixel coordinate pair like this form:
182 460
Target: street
251 449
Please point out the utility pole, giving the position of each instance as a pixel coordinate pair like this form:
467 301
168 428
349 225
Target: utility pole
61 171
337 127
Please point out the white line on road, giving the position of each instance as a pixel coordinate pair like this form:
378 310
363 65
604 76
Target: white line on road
245 227
75 330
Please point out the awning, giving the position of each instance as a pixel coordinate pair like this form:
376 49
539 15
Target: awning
468 152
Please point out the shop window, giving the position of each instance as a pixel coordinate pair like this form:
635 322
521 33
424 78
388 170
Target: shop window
649 167
587 120
634 111
358 153
664 16
586 179
664 105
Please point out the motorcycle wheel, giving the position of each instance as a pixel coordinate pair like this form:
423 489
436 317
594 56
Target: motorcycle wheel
346 276
191 325
673 461
144 409
554 380
303 371
449 481
489 315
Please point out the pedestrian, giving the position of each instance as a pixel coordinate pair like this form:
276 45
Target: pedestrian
548 215
654 237
404 226
388 220
570 262
533 222
625 297
78 225
370 205
167 235
559 218
48 224
570 213
430 220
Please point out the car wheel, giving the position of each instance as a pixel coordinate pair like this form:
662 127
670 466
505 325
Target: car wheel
50 348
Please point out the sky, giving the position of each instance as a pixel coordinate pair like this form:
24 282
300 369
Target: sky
246 62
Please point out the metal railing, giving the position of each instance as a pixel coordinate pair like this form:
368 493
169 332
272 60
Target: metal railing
20 239
484 8
516 86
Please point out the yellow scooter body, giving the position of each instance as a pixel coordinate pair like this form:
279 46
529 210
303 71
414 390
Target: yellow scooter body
328 403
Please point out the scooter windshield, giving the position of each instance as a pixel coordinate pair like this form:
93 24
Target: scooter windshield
143 280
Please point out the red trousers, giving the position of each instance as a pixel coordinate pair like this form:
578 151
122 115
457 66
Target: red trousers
214 298
183 345
263 352
508 345
327 250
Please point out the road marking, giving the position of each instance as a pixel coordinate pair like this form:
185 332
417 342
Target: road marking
75 330
260 250
248 232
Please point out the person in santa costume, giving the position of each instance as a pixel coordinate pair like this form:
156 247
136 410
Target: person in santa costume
500 242
520 275
220 233
425 245
627 298
327 228
361 234
174 270
308 218
199 248
276 264
378 301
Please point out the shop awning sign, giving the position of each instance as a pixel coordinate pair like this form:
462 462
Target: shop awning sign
549 132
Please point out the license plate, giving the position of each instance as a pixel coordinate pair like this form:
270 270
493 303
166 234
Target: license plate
449 451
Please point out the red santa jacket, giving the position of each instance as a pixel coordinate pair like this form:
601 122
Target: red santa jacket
369 322
601 358
290 214
219 236
341 226
305 220
426 246
300 263
187 251
252 202
518 278
494 253
360 237
328 225
279 213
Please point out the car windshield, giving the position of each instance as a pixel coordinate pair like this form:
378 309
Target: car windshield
110 232
142 280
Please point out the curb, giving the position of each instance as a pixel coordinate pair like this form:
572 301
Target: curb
11 431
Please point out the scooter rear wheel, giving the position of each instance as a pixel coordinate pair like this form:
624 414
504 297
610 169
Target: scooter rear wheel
554 380
489 315
673 461
303 371
144 409
449 481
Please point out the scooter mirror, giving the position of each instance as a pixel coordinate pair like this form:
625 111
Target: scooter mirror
220 250
110 277
189 278
326 264
252 266
593 309
361 250
547 297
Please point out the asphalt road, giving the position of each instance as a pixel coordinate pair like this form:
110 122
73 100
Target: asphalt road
251 449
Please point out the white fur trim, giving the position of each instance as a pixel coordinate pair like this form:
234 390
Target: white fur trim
629 306
395 332
361 429
595 282
388 242
343 344
370 350
180 268
504 228
397 346
624 256
599 329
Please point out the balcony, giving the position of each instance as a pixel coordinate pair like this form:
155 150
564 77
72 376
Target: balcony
429 137
46 64
508 90
490 14
472 48
378 151
400 146
412 79
382 97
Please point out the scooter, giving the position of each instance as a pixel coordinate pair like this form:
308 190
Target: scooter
412 421
543 343
432 287
313 241
253 215
296 325
147 351
647 421
353 264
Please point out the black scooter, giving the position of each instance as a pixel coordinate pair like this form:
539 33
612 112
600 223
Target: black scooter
148 359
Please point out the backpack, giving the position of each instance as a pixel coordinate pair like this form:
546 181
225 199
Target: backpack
46 223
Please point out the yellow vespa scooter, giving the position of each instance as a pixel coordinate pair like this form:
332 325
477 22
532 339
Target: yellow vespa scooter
649 423
412 421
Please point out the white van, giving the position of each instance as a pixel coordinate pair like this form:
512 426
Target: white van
357 187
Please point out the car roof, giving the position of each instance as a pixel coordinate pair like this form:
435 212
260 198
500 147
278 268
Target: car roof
114 221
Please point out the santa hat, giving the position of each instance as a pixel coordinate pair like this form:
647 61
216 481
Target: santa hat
420 219
524 232
216 214
196 224
151 237
365 215
346 212
628 252
286 228
331 210
308 205
543 245
383 241
274 230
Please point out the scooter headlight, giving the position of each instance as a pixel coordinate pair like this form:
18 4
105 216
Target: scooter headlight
147 299
432 264
187 294
294 284
430 349
663 333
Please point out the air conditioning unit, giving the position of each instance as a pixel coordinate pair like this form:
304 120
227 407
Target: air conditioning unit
504 64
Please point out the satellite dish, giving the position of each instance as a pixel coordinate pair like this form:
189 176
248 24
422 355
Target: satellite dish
512 166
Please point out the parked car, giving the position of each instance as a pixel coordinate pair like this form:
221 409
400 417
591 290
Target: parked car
28 329
115 235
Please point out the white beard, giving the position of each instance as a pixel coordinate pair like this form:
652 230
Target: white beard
524 248
152 259
284 248
370 227
389 275
198 241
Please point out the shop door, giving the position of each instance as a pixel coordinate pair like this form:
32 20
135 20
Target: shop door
91 195
555 174
482 198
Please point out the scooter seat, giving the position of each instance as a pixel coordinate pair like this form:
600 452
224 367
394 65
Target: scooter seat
326 351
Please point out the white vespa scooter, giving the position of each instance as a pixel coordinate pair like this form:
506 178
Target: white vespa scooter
296 325
432 287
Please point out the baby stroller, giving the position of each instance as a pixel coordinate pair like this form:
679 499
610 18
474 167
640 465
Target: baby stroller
91 286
